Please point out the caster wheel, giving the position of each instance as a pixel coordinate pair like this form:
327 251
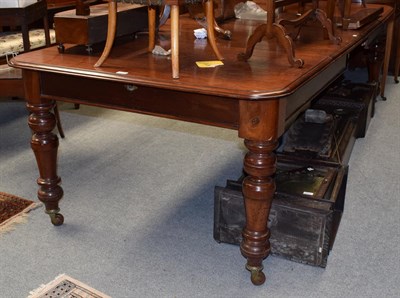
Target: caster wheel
89 50
299 63
61 48
227 35
57 219
257 278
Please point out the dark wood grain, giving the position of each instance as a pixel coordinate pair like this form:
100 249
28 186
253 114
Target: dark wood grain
265 75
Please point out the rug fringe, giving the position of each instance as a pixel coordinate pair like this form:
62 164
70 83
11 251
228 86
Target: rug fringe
9 224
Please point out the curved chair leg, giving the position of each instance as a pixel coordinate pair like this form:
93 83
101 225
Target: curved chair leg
209 12
112 26
225 34
164 14
151 12
58 121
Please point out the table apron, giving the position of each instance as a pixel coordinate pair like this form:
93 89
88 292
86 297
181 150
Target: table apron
186 106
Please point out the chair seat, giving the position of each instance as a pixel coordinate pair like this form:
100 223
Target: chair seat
11 42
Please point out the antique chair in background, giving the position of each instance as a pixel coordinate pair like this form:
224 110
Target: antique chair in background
392 40
174 4
395 50
392 46
13 42
275 28
24 16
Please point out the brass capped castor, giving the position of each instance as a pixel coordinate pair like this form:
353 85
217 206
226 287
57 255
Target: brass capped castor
257 276
56 218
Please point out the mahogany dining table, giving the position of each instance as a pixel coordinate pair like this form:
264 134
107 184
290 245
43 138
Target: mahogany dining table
258 98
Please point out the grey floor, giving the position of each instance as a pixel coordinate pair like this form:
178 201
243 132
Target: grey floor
138 209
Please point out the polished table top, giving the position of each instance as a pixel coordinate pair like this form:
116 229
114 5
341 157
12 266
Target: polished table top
267 74
258 98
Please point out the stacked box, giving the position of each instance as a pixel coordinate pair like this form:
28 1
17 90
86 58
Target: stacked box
304 221
331 141
358 98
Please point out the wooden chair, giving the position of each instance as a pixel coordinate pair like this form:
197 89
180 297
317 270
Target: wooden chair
174 4
22 17
391 35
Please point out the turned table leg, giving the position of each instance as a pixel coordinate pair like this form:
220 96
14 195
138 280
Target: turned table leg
44 144
258 191
260 124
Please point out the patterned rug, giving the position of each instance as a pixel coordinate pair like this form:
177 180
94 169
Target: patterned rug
64 286
13 210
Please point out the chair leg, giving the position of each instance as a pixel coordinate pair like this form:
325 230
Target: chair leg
25 37
58 121
46 31
346 14
175 41
209 12
111 29
151 11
